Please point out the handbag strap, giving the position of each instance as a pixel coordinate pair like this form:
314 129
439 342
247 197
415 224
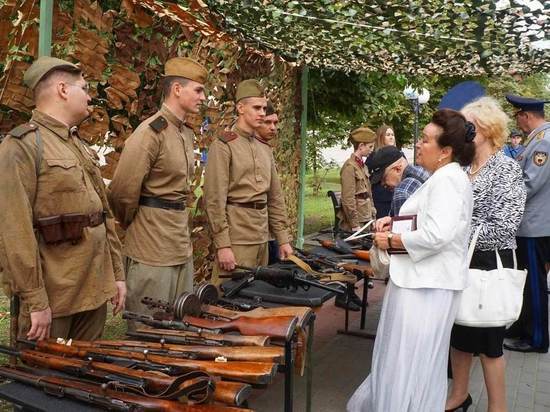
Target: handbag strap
473 243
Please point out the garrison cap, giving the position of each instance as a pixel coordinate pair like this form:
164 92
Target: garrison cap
362 135
269 110
249 88
44 65
526 104
187 68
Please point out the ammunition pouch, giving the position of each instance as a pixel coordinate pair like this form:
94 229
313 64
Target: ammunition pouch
68 227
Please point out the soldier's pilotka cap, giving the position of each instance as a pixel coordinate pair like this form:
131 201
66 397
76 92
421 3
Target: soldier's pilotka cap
362 135
380 160
249 88
45 65
187 68
526 104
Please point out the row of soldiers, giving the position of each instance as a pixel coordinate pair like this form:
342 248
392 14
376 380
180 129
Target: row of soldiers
59 251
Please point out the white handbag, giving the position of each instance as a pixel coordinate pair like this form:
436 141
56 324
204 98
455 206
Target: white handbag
379 262
493 297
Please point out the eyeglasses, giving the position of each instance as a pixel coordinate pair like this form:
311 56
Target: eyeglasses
85 87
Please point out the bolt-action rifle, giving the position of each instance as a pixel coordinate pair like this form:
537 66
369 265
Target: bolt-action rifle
182 337
104 396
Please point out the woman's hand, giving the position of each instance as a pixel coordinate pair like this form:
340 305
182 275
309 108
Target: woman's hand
383 224
381 240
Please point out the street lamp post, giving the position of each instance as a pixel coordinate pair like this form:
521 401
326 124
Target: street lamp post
416 100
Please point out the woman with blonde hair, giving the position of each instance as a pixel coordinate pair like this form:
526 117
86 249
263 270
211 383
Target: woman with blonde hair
499 200
381 196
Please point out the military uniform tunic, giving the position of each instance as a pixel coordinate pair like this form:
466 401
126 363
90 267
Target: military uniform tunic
155 164
69 278
242 171
534 240
356 195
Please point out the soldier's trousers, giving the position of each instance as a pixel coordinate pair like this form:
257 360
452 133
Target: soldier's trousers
87 325
245 255
532 325
157 282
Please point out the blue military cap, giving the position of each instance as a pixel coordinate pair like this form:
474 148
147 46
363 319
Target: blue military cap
526 104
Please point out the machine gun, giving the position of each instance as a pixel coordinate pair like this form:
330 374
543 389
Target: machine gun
103 395
277 277
248 372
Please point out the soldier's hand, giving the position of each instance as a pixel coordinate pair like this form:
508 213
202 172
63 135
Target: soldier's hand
226 259
383 224
40 324
119 300
285 251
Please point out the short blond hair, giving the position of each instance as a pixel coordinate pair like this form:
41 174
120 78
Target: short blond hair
489 118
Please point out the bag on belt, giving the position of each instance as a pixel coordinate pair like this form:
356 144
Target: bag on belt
67 227
161 203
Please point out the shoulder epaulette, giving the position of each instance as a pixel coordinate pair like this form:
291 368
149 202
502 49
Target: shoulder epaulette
188 125
258 138
22 130
228 136
159 124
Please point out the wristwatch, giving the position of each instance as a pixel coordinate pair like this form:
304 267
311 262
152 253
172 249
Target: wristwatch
390 237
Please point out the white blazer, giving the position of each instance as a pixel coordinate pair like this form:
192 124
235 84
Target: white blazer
437 250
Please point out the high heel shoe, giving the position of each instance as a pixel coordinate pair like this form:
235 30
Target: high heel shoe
463 407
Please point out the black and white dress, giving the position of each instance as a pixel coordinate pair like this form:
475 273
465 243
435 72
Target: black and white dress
499 201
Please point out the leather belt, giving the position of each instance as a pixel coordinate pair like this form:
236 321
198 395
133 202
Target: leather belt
96 219
249 205
364 195
162 203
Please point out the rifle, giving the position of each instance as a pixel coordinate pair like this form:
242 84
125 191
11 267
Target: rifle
166 324
197 386
341 247
276 277
104 396
248 372
182 337
273 354
220 313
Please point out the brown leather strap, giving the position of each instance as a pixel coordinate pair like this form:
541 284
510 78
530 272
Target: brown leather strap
364 195
160 203
249 205
322 277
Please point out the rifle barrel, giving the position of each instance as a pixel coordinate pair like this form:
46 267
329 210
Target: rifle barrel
9 351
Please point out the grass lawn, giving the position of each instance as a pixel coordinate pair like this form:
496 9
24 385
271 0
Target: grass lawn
318 210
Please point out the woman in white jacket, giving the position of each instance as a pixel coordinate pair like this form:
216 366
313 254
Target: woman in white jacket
410 357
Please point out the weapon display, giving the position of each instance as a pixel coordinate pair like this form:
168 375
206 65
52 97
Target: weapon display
277 277
273 354
181 337
166 324
248 372
104 396
343 248
196 386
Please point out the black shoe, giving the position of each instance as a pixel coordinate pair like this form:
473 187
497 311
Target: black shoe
357 300
522 346
341 303
463 407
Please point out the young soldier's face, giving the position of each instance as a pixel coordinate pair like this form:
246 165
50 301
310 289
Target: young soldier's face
252 111
191 96
268 129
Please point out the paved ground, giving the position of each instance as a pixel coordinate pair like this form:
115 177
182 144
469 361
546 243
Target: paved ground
342 362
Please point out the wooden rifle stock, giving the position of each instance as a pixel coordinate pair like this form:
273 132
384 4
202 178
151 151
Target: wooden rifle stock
278 327
248 372
364 270
105 397
226 339
232 353
301 312
232 393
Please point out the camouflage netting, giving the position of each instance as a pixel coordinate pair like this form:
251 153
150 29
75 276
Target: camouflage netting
122 54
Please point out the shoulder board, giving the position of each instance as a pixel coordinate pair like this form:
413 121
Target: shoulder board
259 139
188 125
159 124
22 130
228 136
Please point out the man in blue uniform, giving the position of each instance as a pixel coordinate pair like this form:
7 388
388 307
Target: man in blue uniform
531 329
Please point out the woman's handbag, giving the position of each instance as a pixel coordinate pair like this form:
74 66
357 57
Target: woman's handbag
493 297
379 262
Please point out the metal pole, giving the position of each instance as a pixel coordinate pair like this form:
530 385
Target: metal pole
45 28
416 108
303 148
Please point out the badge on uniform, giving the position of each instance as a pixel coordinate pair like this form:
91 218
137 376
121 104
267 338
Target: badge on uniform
540 158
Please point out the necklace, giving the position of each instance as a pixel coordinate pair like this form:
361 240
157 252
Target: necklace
472 172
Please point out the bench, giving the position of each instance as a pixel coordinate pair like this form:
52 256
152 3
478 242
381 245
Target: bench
336 198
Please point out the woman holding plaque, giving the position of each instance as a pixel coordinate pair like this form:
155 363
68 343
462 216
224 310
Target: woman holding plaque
409 366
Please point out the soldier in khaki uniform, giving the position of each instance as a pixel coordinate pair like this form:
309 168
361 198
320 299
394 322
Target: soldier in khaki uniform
357 205
242 191
58 247
149 190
